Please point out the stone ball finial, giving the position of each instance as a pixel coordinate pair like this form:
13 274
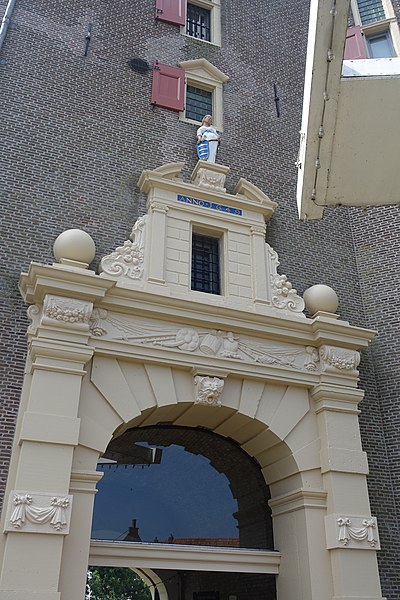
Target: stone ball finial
320 298
74 247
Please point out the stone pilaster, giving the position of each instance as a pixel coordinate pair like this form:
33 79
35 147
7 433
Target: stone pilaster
158 212
39 502
77 544
351 533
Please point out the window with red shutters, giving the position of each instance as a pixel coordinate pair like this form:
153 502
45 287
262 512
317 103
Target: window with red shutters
168 89
355 45
173 11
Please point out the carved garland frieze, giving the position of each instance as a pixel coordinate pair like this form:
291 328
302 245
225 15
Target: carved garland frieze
223 344
40 513
127 261
67 312
338 359
208 390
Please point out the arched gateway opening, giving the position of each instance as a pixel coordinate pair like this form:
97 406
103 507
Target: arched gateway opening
180 486
254 436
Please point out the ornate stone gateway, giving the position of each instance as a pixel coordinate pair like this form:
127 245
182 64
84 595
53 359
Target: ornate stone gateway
143 343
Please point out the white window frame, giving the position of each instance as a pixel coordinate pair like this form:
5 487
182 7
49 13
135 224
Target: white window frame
388 24
200 73
214 6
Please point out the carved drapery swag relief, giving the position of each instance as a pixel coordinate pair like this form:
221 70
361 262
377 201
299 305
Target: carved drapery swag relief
40 513
352 532
367 531
342 359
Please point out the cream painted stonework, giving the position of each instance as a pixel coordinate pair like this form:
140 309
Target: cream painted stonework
160 250
135 346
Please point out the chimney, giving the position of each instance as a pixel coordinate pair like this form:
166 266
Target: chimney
133 533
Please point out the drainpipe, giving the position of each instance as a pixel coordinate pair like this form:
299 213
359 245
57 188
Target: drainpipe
6 21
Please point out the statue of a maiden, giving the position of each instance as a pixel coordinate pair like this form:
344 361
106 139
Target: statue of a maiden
207 140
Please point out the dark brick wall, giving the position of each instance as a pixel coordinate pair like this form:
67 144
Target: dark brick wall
77 132
376 235
184 584
396 6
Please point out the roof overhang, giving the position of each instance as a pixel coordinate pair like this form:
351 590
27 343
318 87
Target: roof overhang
350 125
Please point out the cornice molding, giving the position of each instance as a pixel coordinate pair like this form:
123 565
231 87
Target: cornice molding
152 179
253 193
298 500
46 279
324 394
56 350
84 482
61 280
305 331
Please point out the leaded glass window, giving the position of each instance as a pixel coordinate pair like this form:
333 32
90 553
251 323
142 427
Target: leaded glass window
198 103
371 11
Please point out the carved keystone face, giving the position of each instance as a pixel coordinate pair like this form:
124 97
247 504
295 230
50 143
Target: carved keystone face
211 394
209 390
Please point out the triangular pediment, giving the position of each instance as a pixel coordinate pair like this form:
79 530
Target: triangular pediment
202 68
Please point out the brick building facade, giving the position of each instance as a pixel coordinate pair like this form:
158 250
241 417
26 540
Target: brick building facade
78 131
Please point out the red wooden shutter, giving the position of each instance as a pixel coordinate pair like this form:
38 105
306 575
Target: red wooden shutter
355 46
173 11
168 87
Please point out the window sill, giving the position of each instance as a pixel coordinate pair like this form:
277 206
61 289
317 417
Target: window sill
191 121
191 37
377 26
197 123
